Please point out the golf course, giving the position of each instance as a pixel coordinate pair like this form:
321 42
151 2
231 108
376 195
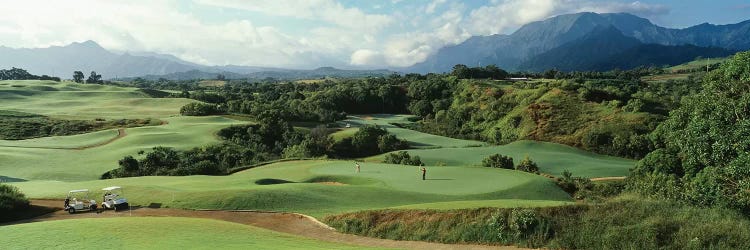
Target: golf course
48 167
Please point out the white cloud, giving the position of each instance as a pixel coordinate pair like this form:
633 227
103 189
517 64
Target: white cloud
366 57
325 10
503 16
433 5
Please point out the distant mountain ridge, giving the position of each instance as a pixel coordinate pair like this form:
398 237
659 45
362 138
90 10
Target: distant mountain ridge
277 74
607 48
515 50
89 56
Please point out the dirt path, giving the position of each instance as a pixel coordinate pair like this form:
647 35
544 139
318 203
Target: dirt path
608 178
120 134
296 224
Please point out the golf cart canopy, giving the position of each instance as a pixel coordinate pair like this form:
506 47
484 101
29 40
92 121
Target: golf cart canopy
111 188
79 191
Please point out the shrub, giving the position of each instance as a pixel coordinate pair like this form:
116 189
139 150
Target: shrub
200 109
11 199
527 165
403 158
498 161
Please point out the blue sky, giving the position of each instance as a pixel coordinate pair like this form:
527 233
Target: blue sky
313 33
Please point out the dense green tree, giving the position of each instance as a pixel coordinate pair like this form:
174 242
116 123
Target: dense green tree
129 164
94 78
78 76
704 143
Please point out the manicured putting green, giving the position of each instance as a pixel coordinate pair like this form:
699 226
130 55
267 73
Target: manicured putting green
416 139
68 164
152 233
319 187
550 157
68 100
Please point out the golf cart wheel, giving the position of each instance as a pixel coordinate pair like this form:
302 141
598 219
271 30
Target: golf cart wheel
71 210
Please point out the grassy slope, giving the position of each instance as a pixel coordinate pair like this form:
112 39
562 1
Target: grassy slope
70 165
67 100
415 138
139 232
552 158
697 64
377 186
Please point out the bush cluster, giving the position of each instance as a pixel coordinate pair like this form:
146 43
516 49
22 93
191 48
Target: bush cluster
403 158
368 140
11 199
201 109
498 161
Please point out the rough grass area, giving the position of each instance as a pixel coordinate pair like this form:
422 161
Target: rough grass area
18 125
552 158
628 222
296 186
152 233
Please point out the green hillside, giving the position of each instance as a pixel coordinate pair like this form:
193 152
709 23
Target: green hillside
36 159
68 100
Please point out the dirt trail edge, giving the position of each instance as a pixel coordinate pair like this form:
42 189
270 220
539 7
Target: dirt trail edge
120 134
291 223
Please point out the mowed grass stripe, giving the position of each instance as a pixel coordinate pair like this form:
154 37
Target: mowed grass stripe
152 233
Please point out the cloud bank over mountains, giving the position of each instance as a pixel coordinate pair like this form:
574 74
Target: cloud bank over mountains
285 33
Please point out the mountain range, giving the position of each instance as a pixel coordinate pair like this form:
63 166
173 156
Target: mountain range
560 41
582 41
89 56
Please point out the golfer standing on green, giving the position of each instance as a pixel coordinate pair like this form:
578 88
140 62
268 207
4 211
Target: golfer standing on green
357 164
424 173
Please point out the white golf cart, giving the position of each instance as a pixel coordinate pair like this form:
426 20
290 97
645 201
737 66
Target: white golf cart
114 199
78 201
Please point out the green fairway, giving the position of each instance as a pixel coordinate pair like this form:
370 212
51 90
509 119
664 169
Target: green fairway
416 139
68 100
552 158
320 187
152 233
506 203
18 159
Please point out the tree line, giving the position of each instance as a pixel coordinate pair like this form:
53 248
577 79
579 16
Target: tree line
22 74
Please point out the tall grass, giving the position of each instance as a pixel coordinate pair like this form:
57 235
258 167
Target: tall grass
626 222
